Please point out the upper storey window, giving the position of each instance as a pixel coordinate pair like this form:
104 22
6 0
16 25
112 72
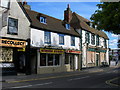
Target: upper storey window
67 26
43 20
47 37
97 41
93 39
87 37
12 26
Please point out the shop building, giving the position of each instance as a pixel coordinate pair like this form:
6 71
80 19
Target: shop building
14 32
95 48
37 43
82 45
57 45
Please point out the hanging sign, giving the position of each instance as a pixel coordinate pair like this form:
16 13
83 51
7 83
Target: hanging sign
53 51
73 51
12 43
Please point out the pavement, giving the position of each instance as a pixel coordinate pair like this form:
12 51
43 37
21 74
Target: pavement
51 75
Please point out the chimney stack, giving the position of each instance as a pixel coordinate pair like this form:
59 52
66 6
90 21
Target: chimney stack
25 5
67 14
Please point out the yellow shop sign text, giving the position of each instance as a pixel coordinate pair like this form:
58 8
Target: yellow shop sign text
12 43
53 51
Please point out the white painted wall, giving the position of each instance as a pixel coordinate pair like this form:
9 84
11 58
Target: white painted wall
23 23
37 40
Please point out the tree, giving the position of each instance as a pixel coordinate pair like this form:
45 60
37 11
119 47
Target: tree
107 17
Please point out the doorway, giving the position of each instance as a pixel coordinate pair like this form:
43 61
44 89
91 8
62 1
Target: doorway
97 59
71 62
21 62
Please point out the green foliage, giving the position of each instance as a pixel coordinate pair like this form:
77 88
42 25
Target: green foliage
107 17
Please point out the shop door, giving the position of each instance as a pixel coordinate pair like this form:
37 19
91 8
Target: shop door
97 59
21 62
71 62
76 62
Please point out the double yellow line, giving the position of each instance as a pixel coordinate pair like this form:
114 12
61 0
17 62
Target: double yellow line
109 82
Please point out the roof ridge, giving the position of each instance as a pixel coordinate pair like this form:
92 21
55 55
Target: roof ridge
83 19
44 14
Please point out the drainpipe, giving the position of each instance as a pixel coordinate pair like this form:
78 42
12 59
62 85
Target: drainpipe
81 49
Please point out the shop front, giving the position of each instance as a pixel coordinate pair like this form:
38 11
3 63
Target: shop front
50 60
72 60
12 58
96 56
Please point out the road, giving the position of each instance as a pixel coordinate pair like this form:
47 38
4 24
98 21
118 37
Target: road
101 79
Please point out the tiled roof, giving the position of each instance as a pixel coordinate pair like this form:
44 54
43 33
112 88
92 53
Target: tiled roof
53 24
82 24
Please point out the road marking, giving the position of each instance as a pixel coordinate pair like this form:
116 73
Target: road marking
50 77
78 78
109 82
45 78
33 85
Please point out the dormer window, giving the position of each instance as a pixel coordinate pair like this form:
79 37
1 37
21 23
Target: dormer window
43 20
67 26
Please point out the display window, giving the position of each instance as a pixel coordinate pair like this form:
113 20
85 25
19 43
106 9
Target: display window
6 55
49 59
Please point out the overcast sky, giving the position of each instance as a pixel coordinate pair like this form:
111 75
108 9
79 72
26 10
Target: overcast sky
85 9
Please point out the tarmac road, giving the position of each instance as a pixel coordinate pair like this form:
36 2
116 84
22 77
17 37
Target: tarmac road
106 78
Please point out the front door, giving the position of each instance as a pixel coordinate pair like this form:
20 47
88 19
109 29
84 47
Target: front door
76 62
71 62
97 59
21 62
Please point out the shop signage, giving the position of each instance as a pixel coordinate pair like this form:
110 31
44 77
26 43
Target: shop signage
96 50
73 51
12 43
21 49
53 51
6 65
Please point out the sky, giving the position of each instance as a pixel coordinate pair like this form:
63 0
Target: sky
85 9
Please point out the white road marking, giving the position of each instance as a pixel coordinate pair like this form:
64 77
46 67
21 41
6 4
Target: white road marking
78 78
33 85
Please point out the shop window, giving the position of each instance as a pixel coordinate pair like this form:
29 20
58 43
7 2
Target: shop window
72 41
57 61
47 37
50 59
66 59
12 26
43 60
61 39
6 55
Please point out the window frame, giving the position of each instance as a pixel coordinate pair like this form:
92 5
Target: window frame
67 26
61 42
97 40
93 39
44 20
87 37
48 35
105 43
8 30
55 63
72 38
